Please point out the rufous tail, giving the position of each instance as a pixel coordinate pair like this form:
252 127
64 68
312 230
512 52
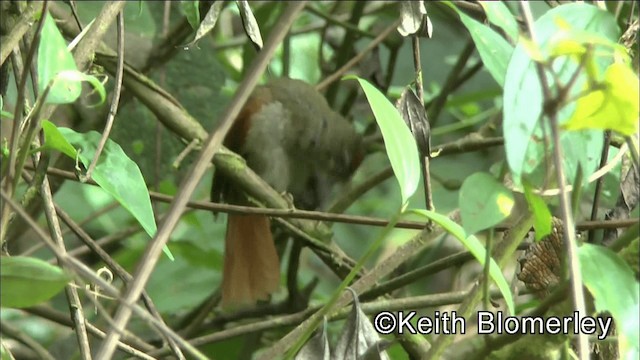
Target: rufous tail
251 264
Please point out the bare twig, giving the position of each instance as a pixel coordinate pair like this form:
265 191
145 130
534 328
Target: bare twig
356 59
598 190
397 282
347 47
113 109
130 344
75 305
317 215
26 21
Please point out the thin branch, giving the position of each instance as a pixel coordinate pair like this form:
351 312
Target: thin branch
565 205
75 305
85 50
432 268
356 59
131 345
22 25
316 215
338 21
346 49
599 183
113 109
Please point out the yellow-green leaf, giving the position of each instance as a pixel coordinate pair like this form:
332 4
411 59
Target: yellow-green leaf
614 107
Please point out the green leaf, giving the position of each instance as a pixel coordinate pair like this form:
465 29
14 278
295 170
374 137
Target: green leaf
494 50
191 10
399 143
28 281
498 14
542 216
525 146
78 77
615 289
54 58
118 175
53 140
484 202
477 250
615 107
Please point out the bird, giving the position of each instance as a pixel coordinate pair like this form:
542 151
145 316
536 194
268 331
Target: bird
289 136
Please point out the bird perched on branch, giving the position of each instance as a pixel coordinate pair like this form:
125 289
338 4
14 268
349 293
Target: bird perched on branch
290 137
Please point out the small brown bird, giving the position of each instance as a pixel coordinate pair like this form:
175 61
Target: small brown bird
291 138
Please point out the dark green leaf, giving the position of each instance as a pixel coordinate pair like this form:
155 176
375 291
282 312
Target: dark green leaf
28 281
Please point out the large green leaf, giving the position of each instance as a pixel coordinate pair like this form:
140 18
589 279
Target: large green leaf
399 143
484 202
494 50
615 289
523 100
498 14
118 175
28 281
54 58
476 248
